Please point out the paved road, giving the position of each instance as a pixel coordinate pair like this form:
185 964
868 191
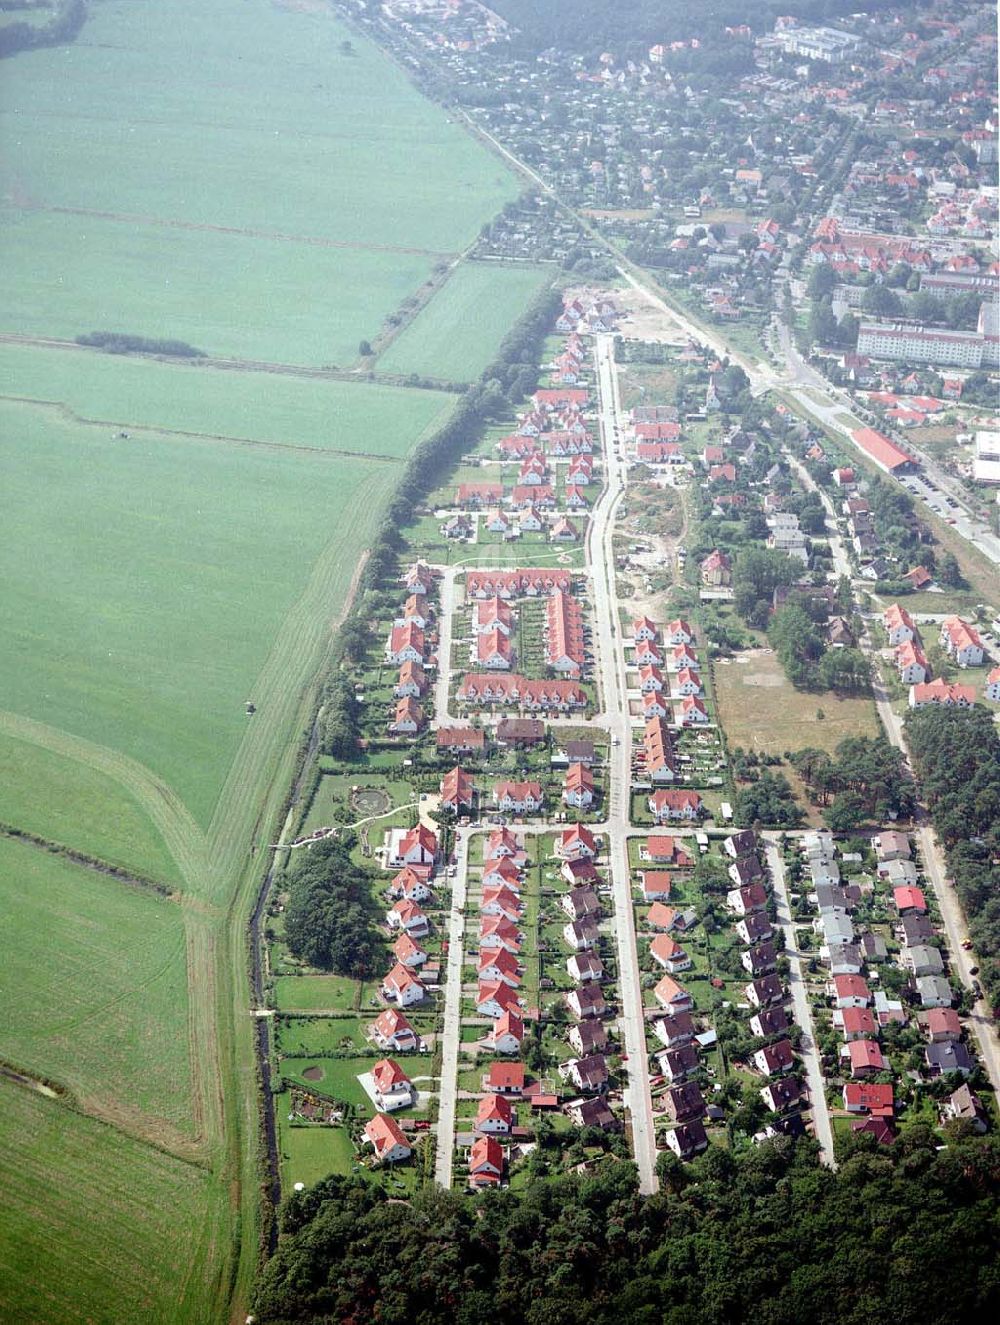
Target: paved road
446 613
600 558
800 1004
980 1021
452 1034
830 404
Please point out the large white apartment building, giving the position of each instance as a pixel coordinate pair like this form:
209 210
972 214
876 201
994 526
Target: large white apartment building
912 344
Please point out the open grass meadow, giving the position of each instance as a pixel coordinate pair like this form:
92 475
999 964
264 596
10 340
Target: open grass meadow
311 1153
760 710
94 986
97 1227
456 335
230 174
144 583
268 408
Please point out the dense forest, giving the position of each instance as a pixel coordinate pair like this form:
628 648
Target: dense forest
908 1233
956 755
331 919
597 25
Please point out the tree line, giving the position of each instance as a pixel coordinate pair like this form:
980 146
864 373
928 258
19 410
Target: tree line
123 342
956 756
762 1236
511 376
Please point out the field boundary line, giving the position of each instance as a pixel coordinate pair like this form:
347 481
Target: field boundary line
295 447
181 834
241 232
96 864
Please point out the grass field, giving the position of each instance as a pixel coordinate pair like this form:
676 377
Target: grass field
310 1153
458 332
760 710
94 986
316 993
221 184
262 407
339 1079
71 802
235 296
90 1222
144 625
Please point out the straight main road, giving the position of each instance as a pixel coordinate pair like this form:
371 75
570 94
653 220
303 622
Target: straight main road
608 636
800 1003
452 1034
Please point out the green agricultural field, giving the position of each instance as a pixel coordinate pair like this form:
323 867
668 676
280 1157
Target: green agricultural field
69 801
282 315
94 986
144 625
456 335
269 408
261 181
228 174
97 1227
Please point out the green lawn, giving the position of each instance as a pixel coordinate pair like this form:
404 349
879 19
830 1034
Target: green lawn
94 985
315 993
134 216
143 585
309 1153
456 335
65 800
96 1227
302 1036
139 394
339 1079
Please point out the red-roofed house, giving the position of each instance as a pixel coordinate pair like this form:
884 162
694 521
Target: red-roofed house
402 987
485 1162
390 1145
506 1034
578 787
909 901
666 805
495 1116
393 1089
391 1030
458 790
865 1058
869 1097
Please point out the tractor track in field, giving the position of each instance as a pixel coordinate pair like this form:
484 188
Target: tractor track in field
177 826
240 232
